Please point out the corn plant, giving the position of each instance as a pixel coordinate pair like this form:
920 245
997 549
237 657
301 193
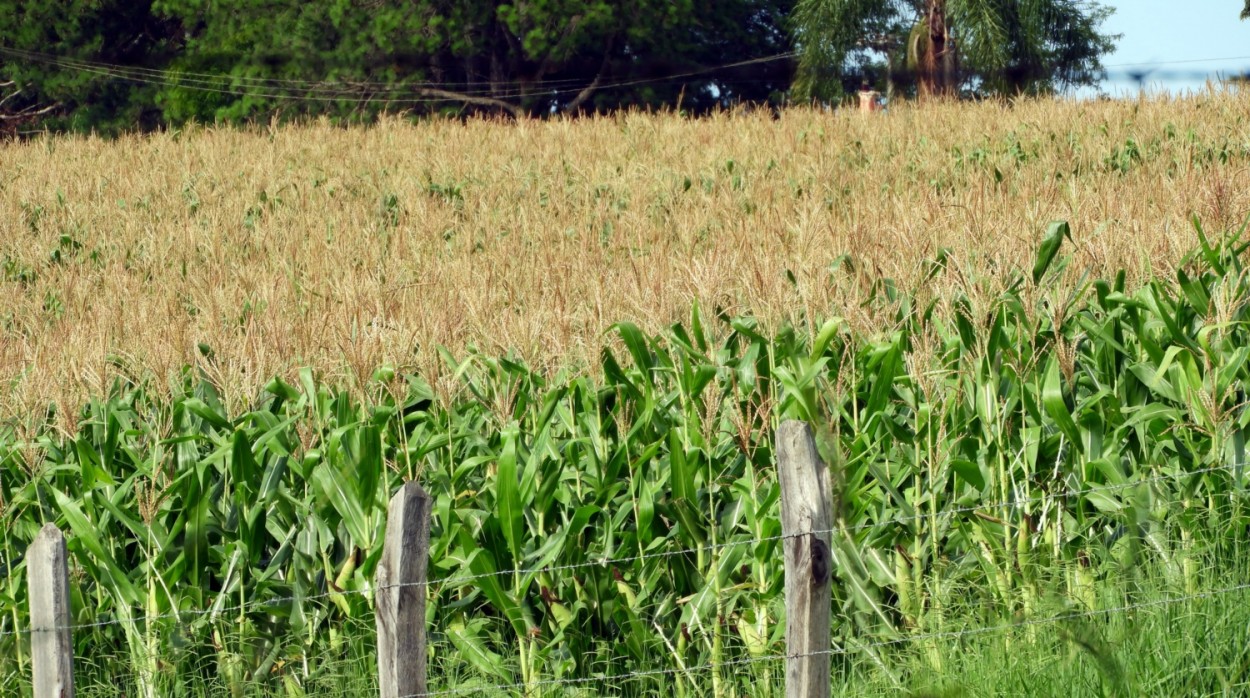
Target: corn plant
995 448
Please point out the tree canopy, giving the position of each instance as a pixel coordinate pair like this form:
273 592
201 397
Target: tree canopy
115 64
537 57
112 65
61 93
944 46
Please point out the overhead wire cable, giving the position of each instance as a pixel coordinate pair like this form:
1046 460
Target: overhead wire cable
1147 64
264 82
402 94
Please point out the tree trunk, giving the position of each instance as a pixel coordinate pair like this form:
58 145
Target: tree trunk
937 61
576 105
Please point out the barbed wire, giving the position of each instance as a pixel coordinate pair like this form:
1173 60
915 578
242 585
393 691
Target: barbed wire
607 562
836 651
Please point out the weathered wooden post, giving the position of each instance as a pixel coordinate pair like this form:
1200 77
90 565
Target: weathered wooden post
51 651
806 520
401 594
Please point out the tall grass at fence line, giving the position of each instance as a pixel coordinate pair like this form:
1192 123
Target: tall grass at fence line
1145 636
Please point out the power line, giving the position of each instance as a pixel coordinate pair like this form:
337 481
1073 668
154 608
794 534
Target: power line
262 82
1180 62
435 92
323 91
1165 75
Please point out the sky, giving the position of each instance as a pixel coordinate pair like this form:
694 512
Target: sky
1158 33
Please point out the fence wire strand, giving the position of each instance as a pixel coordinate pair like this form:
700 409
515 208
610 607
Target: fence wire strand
834 651
607 563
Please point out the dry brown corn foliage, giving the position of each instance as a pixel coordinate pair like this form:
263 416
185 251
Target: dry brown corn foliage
346 249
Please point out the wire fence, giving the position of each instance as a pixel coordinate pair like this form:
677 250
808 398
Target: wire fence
835 651
689 672
1237 469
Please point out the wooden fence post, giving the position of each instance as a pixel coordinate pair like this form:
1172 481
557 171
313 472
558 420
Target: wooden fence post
401 594
806 519
51 652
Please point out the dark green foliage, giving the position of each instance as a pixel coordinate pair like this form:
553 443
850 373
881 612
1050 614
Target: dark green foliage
113 66
112 31
1000 47
121 65
536 56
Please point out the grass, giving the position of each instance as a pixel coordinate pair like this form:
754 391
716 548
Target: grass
1191 648
1194 646
254 253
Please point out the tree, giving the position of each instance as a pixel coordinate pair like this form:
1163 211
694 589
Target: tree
43 75
350 58
1245 14
945 45
113 65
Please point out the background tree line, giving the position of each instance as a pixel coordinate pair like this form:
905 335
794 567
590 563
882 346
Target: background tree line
111 65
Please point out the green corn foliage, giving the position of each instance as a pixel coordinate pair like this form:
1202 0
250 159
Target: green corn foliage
253 538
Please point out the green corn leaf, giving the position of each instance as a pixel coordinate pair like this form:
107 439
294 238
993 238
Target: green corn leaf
370 466
471 647
508 495
636 343
244 472
883 380
89 465
1211 254
1104 502
1194 291
1157 300
681 471
696 327
338 491
1046 252
87 532
1052 400
828 332
483 566
208 414
272 480
969 472
279 388
136 527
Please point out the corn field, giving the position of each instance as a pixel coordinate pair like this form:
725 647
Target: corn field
941 435
1031 395
251 254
